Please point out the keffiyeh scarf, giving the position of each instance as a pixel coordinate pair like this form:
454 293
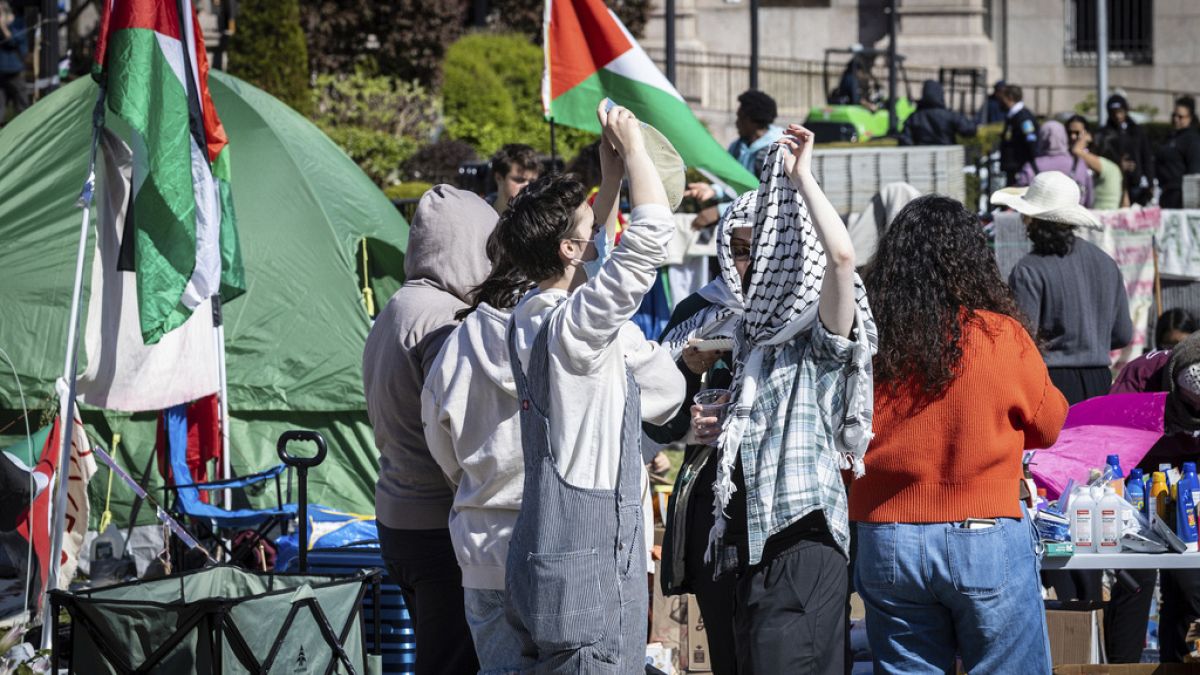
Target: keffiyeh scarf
720 319
781 304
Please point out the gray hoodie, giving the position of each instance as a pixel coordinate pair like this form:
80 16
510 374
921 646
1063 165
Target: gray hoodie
446 258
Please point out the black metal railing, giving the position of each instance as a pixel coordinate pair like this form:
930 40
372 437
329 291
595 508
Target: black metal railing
1130 32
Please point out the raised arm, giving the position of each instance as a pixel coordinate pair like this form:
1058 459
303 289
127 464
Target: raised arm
836 306
607 205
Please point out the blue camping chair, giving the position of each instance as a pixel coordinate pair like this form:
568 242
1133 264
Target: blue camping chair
182 494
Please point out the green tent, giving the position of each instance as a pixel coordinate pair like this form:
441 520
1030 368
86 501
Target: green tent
294 340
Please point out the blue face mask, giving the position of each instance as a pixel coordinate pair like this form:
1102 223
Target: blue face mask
592 267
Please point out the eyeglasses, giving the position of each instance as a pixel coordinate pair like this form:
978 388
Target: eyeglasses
739 253
1177 116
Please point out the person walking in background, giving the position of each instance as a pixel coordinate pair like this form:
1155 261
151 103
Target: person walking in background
756 130
446 259
1018 146
1179 156
1074 296
947 556
993 108
1108 183
933 123
1125 142
800 411
514 166
1054 154
586 379
14 45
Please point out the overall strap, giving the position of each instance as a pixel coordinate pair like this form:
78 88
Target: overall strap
533 388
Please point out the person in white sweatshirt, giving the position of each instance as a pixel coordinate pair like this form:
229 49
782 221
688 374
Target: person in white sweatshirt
586 378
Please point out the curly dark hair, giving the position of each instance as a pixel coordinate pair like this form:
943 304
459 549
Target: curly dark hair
1177 319
539 218
758 107
1050 238
933 264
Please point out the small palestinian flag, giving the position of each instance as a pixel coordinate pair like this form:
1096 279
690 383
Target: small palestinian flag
590 55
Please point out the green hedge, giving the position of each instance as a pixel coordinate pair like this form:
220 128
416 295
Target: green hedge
492 96
410 190
268 51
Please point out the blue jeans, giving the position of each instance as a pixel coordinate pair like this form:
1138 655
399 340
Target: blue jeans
932 591
496 643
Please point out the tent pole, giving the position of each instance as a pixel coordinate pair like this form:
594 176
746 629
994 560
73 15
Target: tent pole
219 336
66 385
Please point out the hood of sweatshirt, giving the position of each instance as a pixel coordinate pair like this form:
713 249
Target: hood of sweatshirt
932 95
486 331
447 241
1052 140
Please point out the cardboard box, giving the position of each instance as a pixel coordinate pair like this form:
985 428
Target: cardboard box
1076 637
697 658
668 620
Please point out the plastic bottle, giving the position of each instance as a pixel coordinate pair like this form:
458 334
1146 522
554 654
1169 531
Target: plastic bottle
1190 480
1108 535
1083 520
1160 493
1185 518
1135 490
1116 477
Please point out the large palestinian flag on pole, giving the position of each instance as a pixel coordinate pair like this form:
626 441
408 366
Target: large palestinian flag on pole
180 235
590 55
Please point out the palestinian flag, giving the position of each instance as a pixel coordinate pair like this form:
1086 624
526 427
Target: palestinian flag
590 55
180 235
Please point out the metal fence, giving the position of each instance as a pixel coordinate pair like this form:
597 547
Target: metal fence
1130 32
712 82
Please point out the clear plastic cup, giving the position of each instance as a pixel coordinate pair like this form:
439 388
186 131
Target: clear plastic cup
713 403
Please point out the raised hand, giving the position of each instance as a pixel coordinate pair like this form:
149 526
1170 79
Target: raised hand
622 129
798 142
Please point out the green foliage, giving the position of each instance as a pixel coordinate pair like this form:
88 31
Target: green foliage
376 102
405 39
409 190
268 50
380 122
377 153
492 96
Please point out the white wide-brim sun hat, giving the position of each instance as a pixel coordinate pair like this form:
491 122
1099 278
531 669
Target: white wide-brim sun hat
1053 196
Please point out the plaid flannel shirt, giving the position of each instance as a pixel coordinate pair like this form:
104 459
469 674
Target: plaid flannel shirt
789 460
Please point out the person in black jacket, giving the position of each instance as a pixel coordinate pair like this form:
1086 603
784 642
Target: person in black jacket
1018 147
933 123
14 43
1125 142
1180 155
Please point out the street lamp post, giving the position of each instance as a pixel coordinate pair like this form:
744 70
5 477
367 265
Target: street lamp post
754 44
670 40
1102 60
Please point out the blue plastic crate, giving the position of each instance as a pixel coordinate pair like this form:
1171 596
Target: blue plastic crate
398 638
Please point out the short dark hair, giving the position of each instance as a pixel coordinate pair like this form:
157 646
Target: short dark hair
1014 92
515 155
758 107
536 221
1189 103
1177 319
1051 238
1081 119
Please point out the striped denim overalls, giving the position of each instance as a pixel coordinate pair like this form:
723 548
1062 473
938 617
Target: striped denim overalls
576 574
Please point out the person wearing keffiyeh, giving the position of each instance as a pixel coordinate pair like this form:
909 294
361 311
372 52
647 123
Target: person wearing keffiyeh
800 415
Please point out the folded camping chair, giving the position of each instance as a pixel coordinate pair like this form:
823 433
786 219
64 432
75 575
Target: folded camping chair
183 495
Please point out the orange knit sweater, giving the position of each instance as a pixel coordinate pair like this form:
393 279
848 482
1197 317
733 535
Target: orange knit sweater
960 456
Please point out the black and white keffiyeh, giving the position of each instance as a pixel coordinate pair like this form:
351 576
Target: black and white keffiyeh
720 319
780 303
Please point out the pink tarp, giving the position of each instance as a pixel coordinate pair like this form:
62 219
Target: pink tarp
1127 425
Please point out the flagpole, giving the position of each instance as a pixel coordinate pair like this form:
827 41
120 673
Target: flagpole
223 400
66 386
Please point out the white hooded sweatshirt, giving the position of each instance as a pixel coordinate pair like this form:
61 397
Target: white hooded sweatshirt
470 413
